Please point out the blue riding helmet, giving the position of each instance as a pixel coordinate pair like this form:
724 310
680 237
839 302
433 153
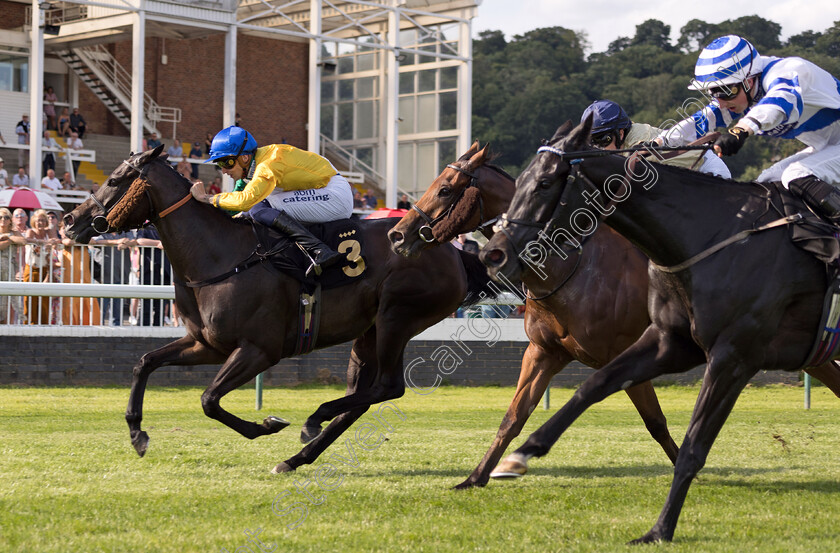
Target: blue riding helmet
232 141
606 116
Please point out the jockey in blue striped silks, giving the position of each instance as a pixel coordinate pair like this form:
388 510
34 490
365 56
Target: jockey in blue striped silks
782 97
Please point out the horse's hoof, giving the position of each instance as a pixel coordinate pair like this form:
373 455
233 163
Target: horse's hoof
512 466
469 484
309 432
140 443
650 537
275 424
282 467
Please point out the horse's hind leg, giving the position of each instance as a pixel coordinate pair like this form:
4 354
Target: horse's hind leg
244 363
828 374
361 374
644 398
538 367
184 351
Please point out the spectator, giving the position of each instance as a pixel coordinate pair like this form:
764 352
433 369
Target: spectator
175 150
39 264
195 153
76 263
3 140
116 264
68 181
22 131
49 107
49 181
47 157
4 175
215 187
358 202
145 144
153 142
184 168
370 199
19 221
465 243
77 123
237 121
154 269
75 143
21 178
64 123
52 216
10 241
404 203
208 141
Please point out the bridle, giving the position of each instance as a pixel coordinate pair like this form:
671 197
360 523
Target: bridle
100 222
426 233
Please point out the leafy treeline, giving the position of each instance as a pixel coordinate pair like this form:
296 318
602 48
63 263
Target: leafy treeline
524 89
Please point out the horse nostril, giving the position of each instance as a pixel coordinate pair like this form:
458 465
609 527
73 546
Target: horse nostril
396 237
68 220
493 258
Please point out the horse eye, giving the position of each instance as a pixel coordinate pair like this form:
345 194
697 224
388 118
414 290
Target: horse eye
445 191
544 183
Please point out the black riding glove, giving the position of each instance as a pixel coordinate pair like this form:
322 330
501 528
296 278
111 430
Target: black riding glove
731 140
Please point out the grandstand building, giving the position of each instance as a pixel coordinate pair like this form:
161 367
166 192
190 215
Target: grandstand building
380 87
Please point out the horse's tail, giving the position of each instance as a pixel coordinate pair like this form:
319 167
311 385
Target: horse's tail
479 284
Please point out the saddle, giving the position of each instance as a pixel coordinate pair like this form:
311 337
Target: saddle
283 255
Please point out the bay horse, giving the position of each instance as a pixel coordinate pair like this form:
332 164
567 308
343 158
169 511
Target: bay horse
755 304
589 307
248 320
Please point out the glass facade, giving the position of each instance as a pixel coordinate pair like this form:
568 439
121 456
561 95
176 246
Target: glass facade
352 103
14 72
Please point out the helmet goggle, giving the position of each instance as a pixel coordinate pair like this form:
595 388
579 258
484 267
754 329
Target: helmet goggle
602 140
230 161
725 92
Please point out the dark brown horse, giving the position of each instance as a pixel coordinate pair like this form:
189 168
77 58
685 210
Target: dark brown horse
589 308
752 305
249 321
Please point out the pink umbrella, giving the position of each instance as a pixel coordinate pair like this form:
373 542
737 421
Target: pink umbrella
385 212
28 199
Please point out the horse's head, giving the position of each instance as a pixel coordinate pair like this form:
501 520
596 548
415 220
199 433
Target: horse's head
121 203
452 205
541 191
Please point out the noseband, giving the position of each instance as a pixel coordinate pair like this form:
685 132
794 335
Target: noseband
426 233
100 222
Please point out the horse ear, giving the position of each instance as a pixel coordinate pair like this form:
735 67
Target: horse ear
471 152
579 137
478 158
562 131
156 152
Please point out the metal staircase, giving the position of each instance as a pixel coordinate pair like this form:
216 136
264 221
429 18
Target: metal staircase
111 83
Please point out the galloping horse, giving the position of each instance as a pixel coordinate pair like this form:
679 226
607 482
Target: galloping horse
753 305
248 319
591 307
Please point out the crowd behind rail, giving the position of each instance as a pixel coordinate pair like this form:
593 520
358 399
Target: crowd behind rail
35 250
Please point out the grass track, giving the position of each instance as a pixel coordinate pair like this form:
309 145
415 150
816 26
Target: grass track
71 482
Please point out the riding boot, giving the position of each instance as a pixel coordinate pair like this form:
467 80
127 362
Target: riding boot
820 196
321 254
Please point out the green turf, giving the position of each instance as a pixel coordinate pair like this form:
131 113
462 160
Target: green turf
71 482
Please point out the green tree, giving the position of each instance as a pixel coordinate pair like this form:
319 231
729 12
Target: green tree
653 33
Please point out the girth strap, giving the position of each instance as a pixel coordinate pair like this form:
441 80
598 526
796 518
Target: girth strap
731 240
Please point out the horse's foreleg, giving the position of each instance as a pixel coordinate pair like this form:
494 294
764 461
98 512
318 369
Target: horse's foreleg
322 441
644 398
538 367
184 351
828 374
651 355
246 362
722 384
